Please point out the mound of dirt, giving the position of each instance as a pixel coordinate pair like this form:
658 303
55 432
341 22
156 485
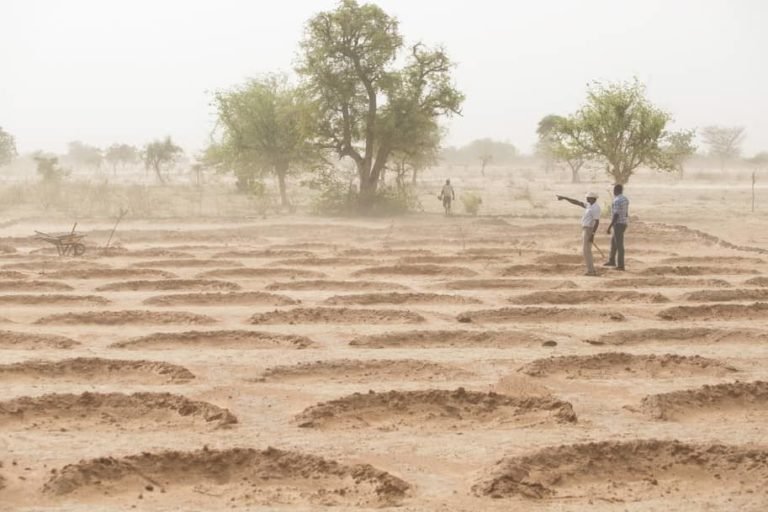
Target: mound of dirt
385 252
111 273
62 300
247 476
157 252
354 370
718 260
257 273
335 286
539 314
700 335
665 282
560 259
757 281
324 262
627 471
756 311
265 253
337 316
507 284
34 286
39 265
215 339
191 263
696 271
725 399
93 369
12 274
442 260
111 410
620 364
170 285
126 318
448 339
542 270
588 297
727 295
434 407
399 298
221 299
417 270
28 341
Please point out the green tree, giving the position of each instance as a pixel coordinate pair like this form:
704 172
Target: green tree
621 128
160 155
678 148
48 169
122 155
545 143
561 143
84 155
724 142
367 107
265 125
7 147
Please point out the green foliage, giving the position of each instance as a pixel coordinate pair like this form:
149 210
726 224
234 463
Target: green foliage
366 107
724 143
48 169
483 150
621 128
121 154
265 129
7 147
160 155
471 202
679 147
558 143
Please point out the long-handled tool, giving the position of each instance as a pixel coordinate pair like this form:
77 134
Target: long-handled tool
598 249
123 213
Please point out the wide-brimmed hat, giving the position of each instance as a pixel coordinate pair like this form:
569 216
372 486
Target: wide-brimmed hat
591 195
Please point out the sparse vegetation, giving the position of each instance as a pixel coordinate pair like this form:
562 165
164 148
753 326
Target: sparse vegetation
471 202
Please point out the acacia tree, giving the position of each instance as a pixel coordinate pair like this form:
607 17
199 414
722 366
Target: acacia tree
265 127
678 148
560 143
366 106
84 155
621 128
724 142
121 154
159 155
7 147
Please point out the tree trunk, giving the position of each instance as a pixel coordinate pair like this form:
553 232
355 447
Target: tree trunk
575 175
281 171
159 175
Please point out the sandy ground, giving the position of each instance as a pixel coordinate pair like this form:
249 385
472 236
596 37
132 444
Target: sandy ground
430 363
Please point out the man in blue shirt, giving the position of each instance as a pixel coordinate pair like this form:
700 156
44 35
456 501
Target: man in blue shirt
619 221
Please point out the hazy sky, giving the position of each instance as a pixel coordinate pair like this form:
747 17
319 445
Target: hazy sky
105 71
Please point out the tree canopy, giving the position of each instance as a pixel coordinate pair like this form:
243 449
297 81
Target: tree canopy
559 143
620 127
121 154
7 147
367 107
724 143
159 155
83 155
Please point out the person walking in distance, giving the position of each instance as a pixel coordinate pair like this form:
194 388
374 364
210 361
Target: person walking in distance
447 195
619 221
590 220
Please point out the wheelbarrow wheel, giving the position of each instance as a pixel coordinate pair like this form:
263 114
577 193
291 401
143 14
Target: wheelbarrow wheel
78 249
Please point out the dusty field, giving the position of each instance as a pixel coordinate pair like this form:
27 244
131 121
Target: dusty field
421 364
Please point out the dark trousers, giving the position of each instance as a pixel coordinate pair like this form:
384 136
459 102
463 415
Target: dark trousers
617 245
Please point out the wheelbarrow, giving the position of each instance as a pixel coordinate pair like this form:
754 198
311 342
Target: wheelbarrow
67 244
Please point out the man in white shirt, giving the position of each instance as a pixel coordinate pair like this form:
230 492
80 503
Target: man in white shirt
447 195
589 223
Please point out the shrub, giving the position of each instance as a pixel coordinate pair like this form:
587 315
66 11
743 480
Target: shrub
471 202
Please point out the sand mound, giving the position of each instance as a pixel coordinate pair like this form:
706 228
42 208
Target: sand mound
34 286
126 317
417 270
539 314
588 297
191 263
434 407
723 399
337 316
335 286
169 285
507 284
265 253
442 260
111 273
756 311
696 270
221 299
620 364
700 335
247 476
238 340
157 252
354 370
94 369
27 341
542 270
757 281
727 295
718 260
448 339
627 471
55 264
323 262
12 274
111 410
665 282
399 298
560 259
256 273
62 300
388 252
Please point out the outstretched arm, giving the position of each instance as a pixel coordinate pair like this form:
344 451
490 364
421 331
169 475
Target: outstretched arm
572 201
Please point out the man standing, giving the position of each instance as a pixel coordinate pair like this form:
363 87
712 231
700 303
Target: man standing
447 195
619 220
589 223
